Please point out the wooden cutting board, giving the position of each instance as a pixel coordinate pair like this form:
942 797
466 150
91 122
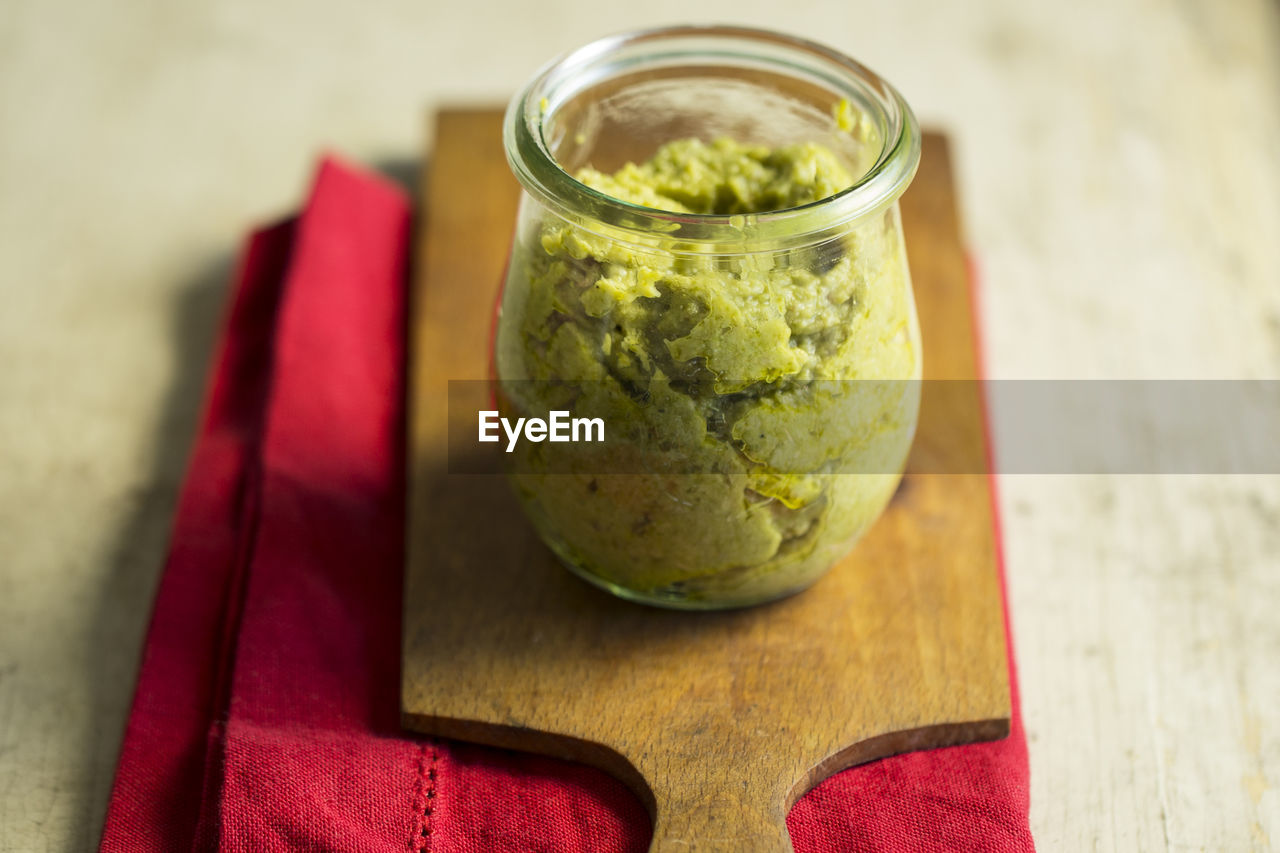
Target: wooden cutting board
718 721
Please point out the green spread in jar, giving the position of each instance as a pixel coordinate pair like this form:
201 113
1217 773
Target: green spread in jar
725 177
722 376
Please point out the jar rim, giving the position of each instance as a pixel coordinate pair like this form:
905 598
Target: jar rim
542 175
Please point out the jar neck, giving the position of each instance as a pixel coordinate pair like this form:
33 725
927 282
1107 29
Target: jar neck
759 52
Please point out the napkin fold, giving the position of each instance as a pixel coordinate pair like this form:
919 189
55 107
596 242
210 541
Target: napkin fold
266 712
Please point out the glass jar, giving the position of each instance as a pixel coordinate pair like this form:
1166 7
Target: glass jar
737 313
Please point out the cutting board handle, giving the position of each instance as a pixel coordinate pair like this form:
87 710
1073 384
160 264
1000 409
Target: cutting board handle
719 825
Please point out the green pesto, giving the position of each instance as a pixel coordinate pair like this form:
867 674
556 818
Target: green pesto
721 364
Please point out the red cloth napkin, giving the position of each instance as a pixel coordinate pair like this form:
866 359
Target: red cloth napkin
266 710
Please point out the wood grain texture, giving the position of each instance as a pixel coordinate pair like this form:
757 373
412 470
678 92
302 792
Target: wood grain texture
719 721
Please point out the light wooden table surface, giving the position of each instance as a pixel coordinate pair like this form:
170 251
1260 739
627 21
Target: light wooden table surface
1121 189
